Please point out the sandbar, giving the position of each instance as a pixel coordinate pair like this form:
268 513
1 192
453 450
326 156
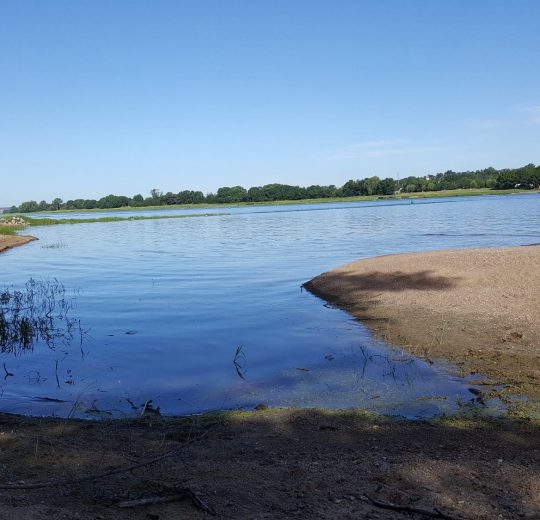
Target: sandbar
9 241
477 308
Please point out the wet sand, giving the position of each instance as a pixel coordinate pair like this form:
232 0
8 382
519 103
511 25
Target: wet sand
477 308
9 241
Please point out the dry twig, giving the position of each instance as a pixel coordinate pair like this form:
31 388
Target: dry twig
86 478
181 494
435 513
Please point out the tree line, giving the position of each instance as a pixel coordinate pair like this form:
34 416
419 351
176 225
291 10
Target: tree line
526 177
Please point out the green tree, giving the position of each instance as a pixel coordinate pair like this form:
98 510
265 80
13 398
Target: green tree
29 206
386 187
137 201
56 204
231 194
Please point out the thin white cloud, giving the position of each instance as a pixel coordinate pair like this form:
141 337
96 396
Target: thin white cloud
379 149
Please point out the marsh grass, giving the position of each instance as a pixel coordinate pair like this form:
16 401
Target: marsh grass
9 230
38 312
54 245
32 221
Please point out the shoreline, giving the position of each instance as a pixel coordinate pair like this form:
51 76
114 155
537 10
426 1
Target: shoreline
478 309
470 192
11 241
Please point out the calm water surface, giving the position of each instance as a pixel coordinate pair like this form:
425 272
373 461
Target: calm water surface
169 305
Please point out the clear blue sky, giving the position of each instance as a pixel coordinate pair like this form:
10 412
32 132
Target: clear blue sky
120 97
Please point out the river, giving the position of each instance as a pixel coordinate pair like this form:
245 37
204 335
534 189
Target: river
198 314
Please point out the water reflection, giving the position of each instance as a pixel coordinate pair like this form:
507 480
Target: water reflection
37 313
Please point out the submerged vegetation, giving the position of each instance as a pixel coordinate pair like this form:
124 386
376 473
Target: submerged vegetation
39 312
524 178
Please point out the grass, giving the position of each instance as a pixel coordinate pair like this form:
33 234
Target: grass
419 195
31 221
355 414
9 230
474 418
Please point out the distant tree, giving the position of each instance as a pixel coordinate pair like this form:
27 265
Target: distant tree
386 187
526 178
354 188
112 201
233 194
372 184
56 204
76 204
137 201
29 206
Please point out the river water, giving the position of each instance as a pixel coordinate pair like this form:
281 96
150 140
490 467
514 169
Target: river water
198 314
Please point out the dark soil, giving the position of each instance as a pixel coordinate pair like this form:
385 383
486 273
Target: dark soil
271 464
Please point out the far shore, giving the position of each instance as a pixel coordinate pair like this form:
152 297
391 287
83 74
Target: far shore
477 308
472 192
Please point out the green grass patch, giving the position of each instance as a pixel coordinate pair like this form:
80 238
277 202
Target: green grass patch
32 221
9 230
456 193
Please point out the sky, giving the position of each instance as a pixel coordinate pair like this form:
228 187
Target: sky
114 96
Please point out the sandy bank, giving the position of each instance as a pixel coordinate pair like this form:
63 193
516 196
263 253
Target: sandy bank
9 241
478 308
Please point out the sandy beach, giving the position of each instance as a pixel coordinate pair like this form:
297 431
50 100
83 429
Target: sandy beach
477 308
9 241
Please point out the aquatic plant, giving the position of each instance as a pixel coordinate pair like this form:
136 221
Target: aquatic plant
239 361
54 245
37 313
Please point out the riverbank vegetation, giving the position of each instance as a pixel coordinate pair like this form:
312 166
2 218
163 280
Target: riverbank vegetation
487 180
32 221
10 225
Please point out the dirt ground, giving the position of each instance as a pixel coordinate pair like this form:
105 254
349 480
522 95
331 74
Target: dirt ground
477 308
271 464
9 241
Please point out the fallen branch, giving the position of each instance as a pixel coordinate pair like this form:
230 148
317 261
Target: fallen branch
150 501
182 494
86 478
98 476
435 513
